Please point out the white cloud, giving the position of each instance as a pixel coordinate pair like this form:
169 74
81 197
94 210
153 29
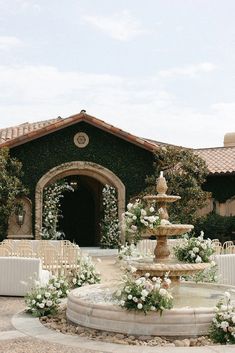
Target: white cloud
190 71
121 26
138 105
10 42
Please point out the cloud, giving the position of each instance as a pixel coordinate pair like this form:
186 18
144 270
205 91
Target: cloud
120 26
190 71
9 42
138 105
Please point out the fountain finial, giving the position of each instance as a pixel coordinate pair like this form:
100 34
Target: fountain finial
161 185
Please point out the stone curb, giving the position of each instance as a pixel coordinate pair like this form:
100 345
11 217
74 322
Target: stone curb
30 326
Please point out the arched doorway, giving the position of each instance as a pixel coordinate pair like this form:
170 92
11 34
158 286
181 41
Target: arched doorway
86 169
81 211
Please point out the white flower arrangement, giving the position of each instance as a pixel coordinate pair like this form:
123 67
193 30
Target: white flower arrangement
59 284
129 252
138 218
86 274
222 329
194 249
145 294
110 228
51 209
42 301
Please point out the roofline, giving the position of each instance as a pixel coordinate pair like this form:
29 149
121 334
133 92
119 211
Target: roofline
74 119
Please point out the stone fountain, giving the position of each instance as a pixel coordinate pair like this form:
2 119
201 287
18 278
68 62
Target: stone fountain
194 304
162 262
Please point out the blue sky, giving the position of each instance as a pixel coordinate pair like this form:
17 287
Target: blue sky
163 69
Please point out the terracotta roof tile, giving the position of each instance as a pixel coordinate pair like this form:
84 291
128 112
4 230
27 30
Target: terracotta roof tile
220 160
36 130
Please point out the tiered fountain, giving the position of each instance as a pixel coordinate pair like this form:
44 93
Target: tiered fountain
162 262
194 304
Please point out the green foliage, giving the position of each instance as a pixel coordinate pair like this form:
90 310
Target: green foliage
216 226
185 173
145 294
11 187
222 329
128 161
110 230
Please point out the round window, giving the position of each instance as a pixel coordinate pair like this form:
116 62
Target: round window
81 139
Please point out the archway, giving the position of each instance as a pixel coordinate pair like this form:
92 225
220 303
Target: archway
89 169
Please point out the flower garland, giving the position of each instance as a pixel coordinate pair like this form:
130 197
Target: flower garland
138 218
51 209
110 229
194 250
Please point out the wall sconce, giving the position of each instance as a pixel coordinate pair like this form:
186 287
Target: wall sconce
20 214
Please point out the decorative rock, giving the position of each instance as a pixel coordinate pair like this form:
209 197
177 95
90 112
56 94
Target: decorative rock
178 343
186 342
145 338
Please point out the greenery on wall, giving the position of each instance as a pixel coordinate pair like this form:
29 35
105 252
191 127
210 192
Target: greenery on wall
11 187
216 227
185 173
128 161
222 187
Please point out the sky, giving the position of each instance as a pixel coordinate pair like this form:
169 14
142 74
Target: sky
160 69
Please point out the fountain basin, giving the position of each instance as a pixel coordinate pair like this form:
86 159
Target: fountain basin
93 307
162 198
174 269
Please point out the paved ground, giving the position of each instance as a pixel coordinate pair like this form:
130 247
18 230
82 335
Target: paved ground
24 334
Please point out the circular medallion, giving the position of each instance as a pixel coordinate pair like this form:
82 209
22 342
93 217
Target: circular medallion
81 139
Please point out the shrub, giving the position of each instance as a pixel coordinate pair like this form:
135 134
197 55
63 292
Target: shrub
216 226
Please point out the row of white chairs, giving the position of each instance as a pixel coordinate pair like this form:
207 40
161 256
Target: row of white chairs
56 256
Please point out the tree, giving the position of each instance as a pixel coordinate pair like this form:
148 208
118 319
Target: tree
185 173
11 187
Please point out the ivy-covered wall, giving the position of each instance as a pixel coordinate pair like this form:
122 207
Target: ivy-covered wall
129 162
222 187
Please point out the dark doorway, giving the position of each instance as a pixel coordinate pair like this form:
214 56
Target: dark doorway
81 212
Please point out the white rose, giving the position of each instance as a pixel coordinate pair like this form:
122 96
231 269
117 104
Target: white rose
195 249
49 303
143 212
227 295
129 206
47 294
198 259
139 306
144 293
147 275
163 292
152 308
233 319
129 297
41 305
151 209
74 280
134 218
39 296
122 302
135 299
33 301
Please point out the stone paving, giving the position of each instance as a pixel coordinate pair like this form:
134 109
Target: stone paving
23 334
